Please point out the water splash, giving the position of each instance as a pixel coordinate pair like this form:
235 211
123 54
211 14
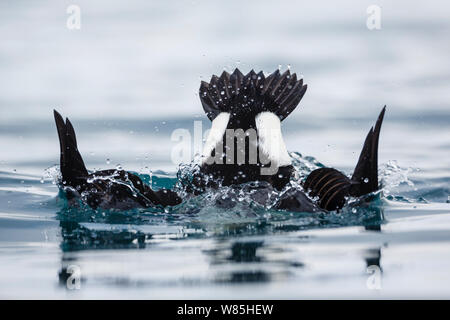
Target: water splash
304 164
52 174
392 175
397 185
228 210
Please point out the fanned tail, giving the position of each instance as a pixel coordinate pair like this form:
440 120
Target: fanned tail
366 172
71 162
277 93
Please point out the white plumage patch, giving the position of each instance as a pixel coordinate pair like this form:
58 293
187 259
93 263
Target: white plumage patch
271 141
218 127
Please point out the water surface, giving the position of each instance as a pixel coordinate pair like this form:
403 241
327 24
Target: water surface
129 77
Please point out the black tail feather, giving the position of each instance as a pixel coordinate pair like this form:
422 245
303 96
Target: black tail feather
332 187
366 171
61 128
278 93
71 162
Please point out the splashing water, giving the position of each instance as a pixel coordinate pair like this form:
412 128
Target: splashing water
52 173
392 175
395 179
227 209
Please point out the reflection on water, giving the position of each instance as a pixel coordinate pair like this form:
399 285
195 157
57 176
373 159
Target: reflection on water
130 77
267 254
243 252
76 237
231 260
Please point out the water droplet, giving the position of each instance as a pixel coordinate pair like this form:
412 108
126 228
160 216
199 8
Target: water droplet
108 161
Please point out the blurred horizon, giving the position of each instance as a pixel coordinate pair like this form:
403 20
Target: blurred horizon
135 62
146 59
130 76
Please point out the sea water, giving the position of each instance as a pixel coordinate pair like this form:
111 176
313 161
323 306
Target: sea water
129 77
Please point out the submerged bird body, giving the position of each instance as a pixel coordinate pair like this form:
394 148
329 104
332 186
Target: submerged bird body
245 145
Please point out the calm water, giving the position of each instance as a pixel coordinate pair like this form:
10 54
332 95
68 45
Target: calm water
129 77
